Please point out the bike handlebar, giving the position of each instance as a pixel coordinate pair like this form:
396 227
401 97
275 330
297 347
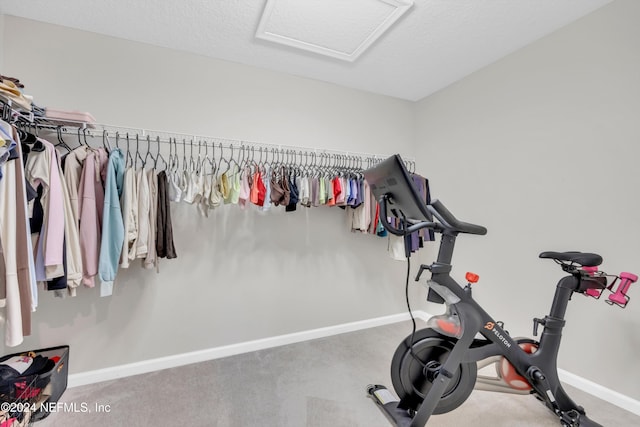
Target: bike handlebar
451 222
384 215
446 220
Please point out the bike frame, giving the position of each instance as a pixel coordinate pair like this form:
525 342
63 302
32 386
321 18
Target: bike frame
539 368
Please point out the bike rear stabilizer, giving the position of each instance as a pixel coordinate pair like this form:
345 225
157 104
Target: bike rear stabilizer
388 404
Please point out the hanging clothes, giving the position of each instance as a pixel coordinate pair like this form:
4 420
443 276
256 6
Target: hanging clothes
205 184
361 214
113 231
14 334
14 238
42 170
261 189
72 256
151 259
266 181
175 185
293 194
72 176
144 208
223 184
164 240
245 189
191 194
314 198
233 195
91 210
129 204
215 199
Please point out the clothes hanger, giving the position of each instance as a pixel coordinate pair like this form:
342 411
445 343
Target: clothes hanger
243 161
80 144
84 135
138 156
105 141
191 161
212 159
129 156
260 162
159 156
174 160
200 162
155 159
61 140
233 159
212 164
26 137
222 158
29 139
184 155
251 159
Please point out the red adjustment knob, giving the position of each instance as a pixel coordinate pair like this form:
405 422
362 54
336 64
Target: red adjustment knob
472 277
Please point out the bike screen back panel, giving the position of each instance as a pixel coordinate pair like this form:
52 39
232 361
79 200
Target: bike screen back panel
390 177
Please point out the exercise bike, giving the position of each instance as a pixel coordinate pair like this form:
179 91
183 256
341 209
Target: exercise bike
435 369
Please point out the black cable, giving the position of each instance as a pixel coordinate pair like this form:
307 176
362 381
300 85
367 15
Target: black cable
406 291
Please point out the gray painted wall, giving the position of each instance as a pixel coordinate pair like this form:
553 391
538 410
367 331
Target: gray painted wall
240 275
542 148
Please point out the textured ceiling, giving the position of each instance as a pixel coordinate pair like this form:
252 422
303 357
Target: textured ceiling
435 44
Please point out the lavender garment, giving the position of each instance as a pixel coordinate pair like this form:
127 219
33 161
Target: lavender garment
354 192
360 195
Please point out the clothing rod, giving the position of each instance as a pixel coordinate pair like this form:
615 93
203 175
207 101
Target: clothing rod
96 130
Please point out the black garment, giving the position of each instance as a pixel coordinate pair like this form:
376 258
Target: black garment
431 235
13 154
293 195
37 215
60 282
164 231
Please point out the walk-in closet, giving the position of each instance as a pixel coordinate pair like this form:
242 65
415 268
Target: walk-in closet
188 234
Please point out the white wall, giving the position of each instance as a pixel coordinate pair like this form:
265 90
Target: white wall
542 148
240 275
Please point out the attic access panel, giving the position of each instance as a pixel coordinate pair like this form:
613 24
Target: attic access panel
341 29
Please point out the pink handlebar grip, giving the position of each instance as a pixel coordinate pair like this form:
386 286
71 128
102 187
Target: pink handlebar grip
620 297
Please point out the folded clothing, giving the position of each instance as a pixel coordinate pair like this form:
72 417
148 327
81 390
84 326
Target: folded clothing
10 92
18 373
69 117
13 79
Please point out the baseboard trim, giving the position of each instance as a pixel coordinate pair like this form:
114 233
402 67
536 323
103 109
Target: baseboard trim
130 369
146 366
601 392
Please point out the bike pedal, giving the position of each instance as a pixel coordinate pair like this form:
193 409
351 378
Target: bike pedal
570 418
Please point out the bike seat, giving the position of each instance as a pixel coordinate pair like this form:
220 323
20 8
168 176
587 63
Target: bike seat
581 258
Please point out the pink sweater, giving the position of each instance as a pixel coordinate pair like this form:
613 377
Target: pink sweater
90 206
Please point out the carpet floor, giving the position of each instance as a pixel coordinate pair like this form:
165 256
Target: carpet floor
318 383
